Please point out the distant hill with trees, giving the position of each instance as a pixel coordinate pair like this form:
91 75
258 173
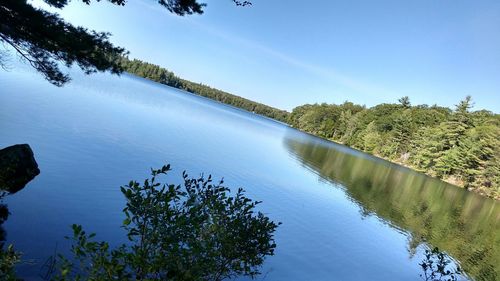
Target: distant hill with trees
458 145
161 75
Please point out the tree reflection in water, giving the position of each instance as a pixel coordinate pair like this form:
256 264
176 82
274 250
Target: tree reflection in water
461 223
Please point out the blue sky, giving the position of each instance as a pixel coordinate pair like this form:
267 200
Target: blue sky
289 52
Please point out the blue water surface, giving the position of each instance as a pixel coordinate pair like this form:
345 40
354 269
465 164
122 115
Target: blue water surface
100 131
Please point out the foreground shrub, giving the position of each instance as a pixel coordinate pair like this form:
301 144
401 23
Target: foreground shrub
197 231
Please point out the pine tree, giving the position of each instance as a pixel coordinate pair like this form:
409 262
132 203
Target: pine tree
427 146
45 40
405 102
371 138
345 117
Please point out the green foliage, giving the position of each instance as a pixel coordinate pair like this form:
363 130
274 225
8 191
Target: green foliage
8 259
8 256
400 136
200 231
464 105
371 138
320 119
427 147
459 146
161 75
45 40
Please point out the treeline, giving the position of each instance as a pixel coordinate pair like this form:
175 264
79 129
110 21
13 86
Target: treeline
459 146
162 75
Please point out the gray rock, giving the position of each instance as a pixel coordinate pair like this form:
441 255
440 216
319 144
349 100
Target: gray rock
17 167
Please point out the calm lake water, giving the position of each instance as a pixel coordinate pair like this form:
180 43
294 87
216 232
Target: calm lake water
346 215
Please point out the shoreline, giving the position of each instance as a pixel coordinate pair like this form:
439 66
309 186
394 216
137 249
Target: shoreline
448 180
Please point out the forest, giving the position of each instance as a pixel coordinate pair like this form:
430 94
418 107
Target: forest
161 75
199 229
459 146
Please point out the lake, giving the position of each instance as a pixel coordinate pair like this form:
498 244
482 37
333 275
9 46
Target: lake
346 215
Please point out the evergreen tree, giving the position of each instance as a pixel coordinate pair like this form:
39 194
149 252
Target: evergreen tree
405 102
426 147
371 138
344 119
45 40
402 134
462 112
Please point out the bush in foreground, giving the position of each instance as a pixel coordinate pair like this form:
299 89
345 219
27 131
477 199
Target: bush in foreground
198 231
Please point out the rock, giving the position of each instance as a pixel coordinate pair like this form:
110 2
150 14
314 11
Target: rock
17 167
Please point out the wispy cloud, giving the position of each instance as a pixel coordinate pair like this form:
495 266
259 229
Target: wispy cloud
327 73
